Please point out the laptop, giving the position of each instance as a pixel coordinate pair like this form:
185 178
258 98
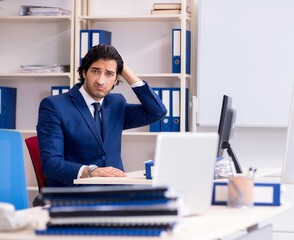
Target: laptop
185 163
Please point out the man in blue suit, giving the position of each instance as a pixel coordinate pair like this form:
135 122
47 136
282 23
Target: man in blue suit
71 145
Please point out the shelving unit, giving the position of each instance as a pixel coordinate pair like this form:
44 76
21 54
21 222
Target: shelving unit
143 39
34 40
126 20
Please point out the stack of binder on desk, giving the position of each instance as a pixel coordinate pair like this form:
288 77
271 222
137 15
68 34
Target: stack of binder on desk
110 210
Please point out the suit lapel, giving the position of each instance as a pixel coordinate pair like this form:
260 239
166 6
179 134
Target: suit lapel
82 107
105 117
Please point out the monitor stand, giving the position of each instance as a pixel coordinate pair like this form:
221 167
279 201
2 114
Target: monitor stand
233 157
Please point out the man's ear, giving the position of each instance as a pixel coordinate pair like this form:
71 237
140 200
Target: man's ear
116 82
84 74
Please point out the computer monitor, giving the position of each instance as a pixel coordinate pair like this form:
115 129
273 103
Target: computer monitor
225 131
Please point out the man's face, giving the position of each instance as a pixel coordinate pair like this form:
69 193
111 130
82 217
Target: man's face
100 78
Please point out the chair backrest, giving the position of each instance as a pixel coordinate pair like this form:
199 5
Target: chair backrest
13 187
33 147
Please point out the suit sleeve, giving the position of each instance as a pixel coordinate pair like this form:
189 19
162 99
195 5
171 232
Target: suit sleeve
51 142
149 111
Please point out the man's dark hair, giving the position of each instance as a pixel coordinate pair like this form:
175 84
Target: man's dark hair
101 51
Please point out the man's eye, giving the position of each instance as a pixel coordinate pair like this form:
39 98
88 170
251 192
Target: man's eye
95 71
110 74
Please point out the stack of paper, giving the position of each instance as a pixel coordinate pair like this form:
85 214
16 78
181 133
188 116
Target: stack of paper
167 8
110 210
45 68
42 11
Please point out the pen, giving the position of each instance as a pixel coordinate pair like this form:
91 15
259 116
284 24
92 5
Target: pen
254 171
251 172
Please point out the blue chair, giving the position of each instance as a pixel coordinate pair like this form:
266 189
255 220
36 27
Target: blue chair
13 188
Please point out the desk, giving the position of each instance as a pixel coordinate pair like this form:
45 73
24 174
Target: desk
218 222
138 177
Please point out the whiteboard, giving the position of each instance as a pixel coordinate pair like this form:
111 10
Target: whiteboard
288 163
246 51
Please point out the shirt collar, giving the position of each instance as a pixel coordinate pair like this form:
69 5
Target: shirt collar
88 99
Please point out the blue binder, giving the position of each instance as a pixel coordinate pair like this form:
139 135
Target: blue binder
265 194
176 51
56 90
92 37
187 109
166 121
84 42
107 231
155 127
100 37
7 107
175 109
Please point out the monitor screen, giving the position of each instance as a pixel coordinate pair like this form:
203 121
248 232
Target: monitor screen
226 129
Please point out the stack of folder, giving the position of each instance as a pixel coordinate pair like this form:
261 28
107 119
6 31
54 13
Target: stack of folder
31 10
110 210
45 68
171 100
168 8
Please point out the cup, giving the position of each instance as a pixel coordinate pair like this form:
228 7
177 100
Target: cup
240 191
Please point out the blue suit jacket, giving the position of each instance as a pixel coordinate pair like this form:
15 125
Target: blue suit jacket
68 137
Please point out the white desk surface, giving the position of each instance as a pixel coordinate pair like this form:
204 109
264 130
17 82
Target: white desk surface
268 172
218 222
138 177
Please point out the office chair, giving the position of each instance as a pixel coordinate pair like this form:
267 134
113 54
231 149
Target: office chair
33 147
13 187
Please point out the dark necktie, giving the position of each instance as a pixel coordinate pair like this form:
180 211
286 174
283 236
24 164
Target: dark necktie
97 109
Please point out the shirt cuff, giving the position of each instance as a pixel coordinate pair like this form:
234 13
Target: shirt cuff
138 84
81 171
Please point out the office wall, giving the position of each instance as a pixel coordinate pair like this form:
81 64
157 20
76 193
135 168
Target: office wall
246 51
254 145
